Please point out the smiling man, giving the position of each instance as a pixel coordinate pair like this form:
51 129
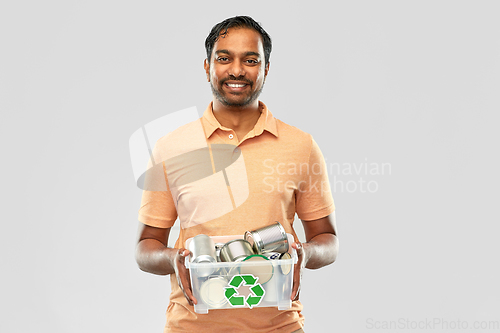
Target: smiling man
248 193
236 68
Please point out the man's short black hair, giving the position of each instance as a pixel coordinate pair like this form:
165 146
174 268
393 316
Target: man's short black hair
220 29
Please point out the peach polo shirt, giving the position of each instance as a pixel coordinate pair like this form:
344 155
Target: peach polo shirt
218 186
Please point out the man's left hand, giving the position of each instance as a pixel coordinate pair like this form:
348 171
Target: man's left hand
320 248
298 269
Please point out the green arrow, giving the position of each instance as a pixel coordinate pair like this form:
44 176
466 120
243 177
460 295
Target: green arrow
257 290
249 280
236 281
252 301
237 300
230 292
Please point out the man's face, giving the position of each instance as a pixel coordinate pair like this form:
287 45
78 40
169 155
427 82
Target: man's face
236 71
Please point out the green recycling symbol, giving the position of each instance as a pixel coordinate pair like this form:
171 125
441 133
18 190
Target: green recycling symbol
253 299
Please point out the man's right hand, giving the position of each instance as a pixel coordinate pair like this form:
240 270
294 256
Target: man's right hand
182 275
154 256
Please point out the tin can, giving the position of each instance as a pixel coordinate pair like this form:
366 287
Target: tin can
235 250
272 238
218 247
203 252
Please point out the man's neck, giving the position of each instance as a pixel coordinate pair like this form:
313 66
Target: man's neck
240 119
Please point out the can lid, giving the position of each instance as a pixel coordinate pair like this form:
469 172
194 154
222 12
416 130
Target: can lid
205 258
235 250
264 271
285 267
253 238
212 292
286 255
256 256
273 255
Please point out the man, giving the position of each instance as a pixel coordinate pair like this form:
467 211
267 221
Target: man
275 172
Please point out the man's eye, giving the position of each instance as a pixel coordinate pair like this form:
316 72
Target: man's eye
252 61
222 59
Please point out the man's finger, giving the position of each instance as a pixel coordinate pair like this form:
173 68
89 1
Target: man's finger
184 278
181 285
298 247
187 289
296 280
183 252
296 272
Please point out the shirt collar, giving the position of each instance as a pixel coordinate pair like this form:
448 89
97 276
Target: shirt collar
266 122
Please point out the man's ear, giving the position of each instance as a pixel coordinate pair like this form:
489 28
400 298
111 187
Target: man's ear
206 65
266 70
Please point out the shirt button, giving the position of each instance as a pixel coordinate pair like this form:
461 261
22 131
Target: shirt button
231 136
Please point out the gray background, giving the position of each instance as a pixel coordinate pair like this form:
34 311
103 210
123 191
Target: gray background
410 83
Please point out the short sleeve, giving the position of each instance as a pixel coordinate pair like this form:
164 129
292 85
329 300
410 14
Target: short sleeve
314 198
157 204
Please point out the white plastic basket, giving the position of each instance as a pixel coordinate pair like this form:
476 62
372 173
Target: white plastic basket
236 284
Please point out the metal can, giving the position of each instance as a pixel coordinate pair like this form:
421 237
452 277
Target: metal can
272 238
235 250
203 252
218 247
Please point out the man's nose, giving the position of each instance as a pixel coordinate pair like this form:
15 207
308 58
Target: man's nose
236 69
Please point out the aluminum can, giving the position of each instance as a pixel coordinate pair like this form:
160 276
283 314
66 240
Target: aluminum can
202 248
235 250
272 238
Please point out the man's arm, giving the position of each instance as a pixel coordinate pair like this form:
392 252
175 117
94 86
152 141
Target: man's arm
154 256
320 249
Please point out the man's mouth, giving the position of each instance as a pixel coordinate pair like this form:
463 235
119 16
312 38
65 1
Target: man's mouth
236 85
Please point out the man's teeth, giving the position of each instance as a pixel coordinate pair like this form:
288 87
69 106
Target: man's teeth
234 85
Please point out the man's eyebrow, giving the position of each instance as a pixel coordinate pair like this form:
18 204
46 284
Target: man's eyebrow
222 51
249 53
252 54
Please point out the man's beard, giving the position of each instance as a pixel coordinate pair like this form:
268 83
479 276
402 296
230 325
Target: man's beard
222 98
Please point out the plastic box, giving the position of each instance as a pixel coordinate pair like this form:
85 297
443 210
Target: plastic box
236 284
